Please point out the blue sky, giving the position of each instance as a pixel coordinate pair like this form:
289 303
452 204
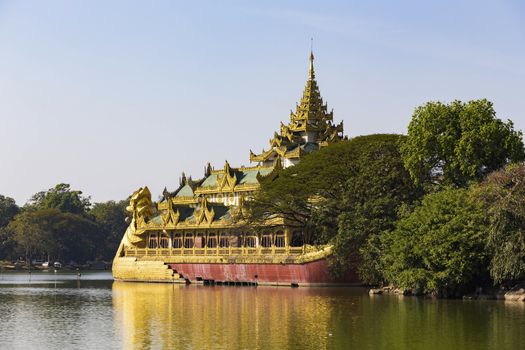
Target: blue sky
110 96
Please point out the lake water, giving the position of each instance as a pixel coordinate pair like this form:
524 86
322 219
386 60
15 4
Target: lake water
60 311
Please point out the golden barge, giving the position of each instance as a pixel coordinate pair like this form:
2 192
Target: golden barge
196 234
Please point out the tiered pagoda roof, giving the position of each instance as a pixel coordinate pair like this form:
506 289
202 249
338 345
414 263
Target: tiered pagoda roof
220 181
201 214
186 206
196 202
311 127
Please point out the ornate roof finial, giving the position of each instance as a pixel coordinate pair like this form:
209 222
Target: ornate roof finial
183 181
166 194
207 170
311 74
226 167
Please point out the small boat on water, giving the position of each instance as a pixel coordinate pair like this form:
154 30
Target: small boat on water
56 264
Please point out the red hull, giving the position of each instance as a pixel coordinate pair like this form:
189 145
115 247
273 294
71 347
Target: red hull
315 272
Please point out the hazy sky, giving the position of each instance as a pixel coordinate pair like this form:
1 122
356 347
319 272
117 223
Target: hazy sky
109 96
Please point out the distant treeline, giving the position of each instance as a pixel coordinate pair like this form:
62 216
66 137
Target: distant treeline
440 210
61 225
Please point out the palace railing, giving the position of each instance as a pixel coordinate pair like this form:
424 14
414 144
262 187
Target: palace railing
224 251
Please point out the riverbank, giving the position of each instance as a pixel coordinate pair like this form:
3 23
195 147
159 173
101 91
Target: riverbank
514 293
22 266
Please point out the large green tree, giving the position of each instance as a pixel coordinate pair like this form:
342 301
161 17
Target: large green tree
503 193
63 198
8 209
62 224
346 194
440 246
453 144
30 234
59 235
111 219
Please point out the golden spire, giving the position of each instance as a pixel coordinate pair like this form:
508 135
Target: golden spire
311 73
311 105
311 122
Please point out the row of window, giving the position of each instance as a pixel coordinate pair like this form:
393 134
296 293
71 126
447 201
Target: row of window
178 241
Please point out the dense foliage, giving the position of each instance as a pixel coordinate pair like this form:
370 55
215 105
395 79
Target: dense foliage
61 224
59 235
440 247
346 194
503 193
414 211
111 219
8 209
460 142
61 197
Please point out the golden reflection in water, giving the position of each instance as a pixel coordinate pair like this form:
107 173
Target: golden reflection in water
165 316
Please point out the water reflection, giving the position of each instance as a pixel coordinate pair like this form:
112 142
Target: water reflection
164 316
96 313
172 316
44 314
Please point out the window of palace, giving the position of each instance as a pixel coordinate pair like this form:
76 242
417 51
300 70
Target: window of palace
188 241
250 241
177 240
164 241
279 239
199 240
236 241
266 241
224 242
152 241
212 241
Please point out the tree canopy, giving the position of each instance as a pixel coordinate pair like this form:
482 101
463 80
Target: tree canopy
60 235
440 246
503 193
8 209
111 219
347 194
61 224
63 198
460 142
